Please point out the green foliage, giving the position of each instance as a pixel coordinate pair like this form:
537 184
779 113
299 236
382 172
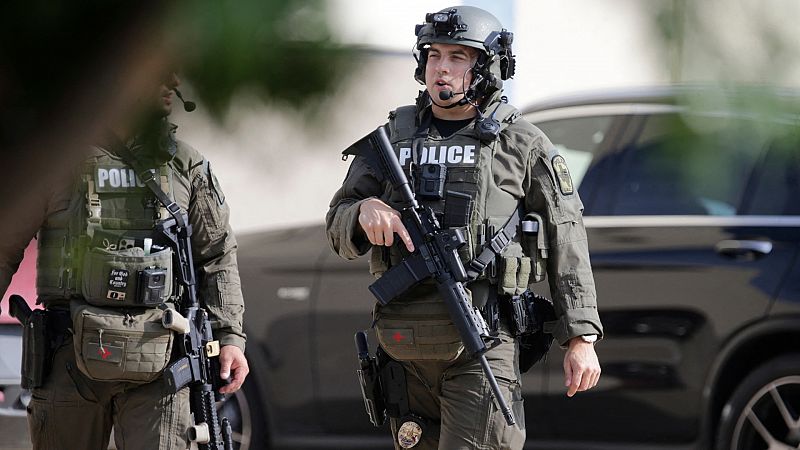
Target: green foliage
75 62
280 50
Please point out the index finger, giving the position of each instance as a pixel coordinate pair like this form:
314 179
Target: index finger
400 229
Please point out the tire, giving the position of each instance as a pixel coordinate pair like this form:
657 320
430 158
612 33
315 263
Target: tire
764 411
248 424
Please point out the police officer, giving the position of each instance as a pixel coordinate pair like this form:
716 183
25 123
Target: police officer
104 273
461 137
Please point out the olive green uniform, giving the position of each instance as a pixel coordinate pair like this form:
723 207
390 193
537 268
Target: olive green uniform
70 410
520 167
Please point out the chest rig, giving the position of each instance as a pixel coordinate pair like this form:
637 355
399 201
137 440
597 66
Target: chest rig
104 245
453 175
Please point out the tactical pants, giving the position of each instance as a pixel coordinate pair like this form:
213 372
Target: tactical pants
456 396
72 412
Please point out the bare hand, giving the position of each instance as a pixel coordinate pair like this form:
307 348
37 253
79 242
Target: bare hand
581 367
380 222
231 359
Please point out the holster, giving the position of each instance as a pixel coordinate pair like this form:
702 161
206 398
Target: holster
43 332
393 385
528 313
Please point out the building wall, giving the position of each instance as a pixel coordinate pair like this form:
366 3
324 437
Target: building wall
280 167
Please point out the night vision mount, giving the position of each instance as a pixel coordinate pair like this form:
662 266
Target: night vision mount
448 23
498 43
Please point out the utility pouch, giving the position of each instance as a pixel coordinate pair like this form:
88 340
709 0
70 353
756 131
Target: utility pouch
515 275
417 327
36 350
127 277
457 210
535 238
120 344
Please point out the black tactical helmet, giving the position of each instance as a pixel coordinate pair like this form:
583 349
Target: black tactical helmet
472 27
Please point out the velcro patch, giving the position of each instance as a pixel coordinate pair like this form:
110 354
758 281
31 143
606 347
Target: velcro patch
118 279
117 179
562 173
107 353
455 152
399 336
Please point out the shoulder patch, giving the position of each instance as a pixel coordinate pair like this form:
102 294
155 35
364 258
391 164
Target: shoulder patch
562 173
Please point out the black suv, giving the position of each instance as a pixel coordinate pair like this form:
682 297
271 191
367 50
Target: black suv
693 213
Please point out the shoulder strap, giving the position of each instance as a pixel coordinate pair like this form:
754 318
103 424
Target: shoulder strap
148 177
504 114
494 246
404 123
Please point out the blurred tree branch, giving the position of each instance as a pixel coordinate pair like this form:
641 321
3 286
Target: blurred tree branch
68 68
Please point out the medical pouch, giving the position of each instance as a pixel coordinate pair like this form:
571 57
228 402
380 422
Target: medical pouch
417 328
116 344
127 277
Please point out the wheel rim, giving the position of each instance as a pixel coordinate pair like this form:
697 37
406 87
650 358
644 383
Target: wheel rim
771 419
237 410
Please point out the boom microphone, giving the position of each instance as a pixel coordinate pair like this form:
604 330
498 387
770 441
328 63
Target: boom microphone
447 95
187 105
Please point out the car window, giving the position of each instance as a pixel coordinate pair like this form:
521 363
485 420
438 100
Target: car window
775 188
578 140
686 165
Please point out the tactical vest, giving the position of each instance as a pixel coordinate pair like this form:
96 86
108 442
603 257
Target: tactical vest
460 164
416 325
99 247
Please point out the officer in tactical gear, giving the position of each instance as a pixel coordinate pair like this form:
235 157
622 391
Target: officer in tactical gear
476 164
95 358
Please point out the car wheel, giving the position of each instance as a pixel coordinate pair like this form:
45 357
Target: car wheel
764 410
244 414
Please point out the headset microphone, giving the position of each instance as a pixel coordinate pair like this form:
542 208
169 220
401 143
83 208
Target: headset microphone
187 105
447 95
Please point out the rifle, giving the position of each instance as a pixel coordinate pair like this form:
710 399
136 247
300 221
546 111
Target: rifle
198 365
435 256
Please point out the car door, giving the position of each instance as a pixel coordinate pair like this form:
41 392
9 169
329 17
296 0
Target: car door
584 136
279 273
678 269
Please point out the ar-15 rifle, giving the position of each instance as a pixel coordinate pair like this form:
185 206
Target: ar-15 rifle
435 256
198 363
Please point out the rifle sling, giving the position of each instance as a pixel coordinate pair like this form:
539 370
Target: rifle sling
148 177
494 246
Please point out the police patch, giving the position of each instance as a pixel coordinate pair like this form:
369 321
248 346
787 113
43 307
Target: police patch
562 173
455 152
108 178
